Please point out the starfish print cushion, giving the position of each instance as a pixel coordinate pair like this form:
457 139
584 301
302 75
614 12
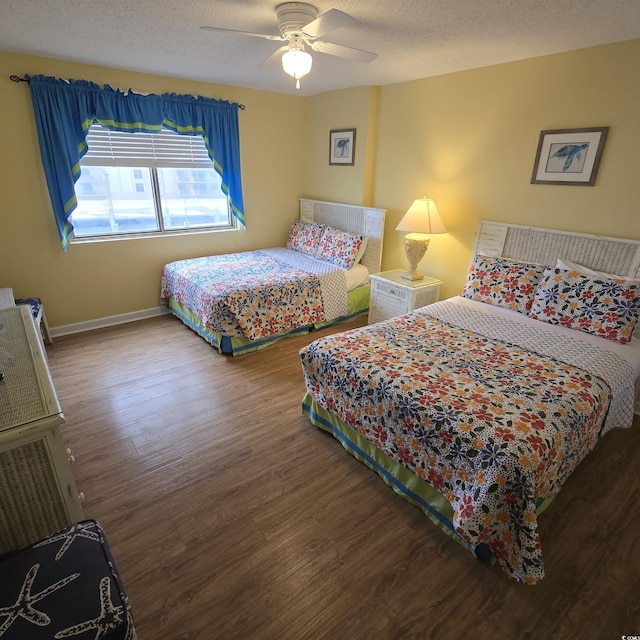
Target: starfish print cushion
65 586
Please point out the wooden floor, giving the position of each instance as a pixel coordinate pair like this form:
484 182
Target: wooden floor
231 516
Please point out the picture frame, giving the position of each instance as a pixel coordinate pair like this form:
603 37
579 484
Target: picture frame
342 147
569 156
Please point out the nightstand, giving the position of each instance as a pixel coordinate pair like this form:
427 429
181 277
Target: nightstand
392 295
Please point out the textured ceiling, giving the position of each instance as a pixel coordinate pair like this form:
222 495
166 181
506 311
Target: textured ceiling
413 38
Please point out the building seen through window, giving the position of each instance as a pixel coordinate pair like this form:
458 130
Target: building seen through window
117 198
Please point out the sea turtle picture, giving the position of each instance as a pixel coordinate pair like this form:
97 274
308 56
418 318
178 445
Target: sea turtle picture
572 154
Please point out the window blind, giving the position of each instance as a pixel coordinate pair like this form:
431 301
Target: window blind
164 149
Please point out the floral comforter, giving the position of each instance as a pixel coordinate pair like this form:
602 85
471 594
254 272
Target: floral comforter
478 408
256 294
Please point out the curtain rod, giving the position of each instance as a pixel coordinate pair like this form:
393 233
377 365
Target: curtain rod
19 79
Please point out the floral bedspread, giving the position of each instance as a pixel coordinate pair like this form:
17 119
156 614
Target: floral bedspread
494 426
255 294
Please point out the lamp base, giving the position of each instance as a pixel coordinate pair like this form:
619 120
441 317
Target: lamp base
412 276
415 246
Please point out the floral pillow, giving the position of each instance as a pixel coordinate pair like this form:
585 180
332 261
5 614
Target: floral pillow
503 282
605 307
305 236
339 247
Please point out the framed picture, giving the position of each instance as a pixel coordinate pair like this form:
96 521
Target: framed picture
569 156
342 146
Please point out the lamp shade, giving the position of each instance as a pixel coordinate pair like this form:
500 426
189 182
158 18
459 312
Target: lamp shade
422 217
296 63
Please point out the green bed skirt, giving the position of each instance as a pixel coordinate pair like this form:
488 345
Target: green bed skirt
405 483
357 305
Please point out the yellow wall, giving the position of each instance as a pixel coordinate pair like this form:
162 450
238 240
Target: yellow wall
466 139
345 109
469 141
97 280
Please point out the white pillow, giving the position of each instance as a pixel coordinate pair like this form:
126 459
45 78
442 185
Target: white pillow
363 248
488 254
574 266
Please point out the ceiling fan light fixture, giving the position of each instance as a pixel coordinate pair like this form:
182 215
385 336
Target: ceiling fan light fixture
297 63
301 26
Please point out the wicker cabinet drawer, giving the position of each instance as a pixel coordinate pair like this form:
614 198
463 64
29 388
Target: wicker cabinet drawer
38 495
392 296
391 290
384 306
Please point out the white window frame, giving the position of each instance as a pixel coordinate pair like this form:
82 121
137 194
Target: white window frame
165 149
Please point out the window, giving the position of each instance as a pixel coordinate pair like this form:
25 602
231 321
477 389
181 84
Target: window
132 183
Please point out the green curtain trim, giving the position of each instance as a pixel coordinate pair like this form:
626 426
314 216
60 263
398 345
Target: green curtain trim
146 128
66 234
70 205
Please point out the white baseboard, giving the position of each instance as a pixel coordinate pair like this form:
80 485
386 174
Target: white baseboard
108 321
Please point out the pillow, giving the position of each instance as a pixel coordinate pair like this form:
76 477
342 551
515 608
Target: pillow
339 247
503 282
487 252
305 236
574 266
363 248
605 307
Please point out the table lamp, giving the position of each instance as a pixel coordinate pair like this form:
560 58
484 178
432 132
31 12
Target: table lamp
421 220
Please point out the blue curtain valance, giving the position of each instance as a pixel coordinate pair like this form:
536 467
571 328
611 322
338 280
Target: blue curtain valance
64 111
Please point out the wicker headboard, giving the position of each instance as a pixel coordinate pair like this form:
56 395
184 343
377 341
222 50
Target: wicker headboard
544 246
365 221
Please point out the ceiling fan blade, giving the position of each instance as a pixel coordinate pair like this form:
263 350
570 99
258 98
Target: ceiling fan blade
332 19
246 33
275 57
358 55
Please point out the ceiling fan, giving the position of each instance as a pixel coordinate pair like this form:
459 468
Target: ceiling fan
300 26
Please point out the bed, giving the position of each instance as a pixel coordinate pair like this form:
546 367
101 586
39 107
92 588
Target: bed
245 301
478 408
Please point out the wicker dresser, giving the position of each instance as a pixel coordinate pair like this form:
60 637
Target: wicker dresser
38 495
